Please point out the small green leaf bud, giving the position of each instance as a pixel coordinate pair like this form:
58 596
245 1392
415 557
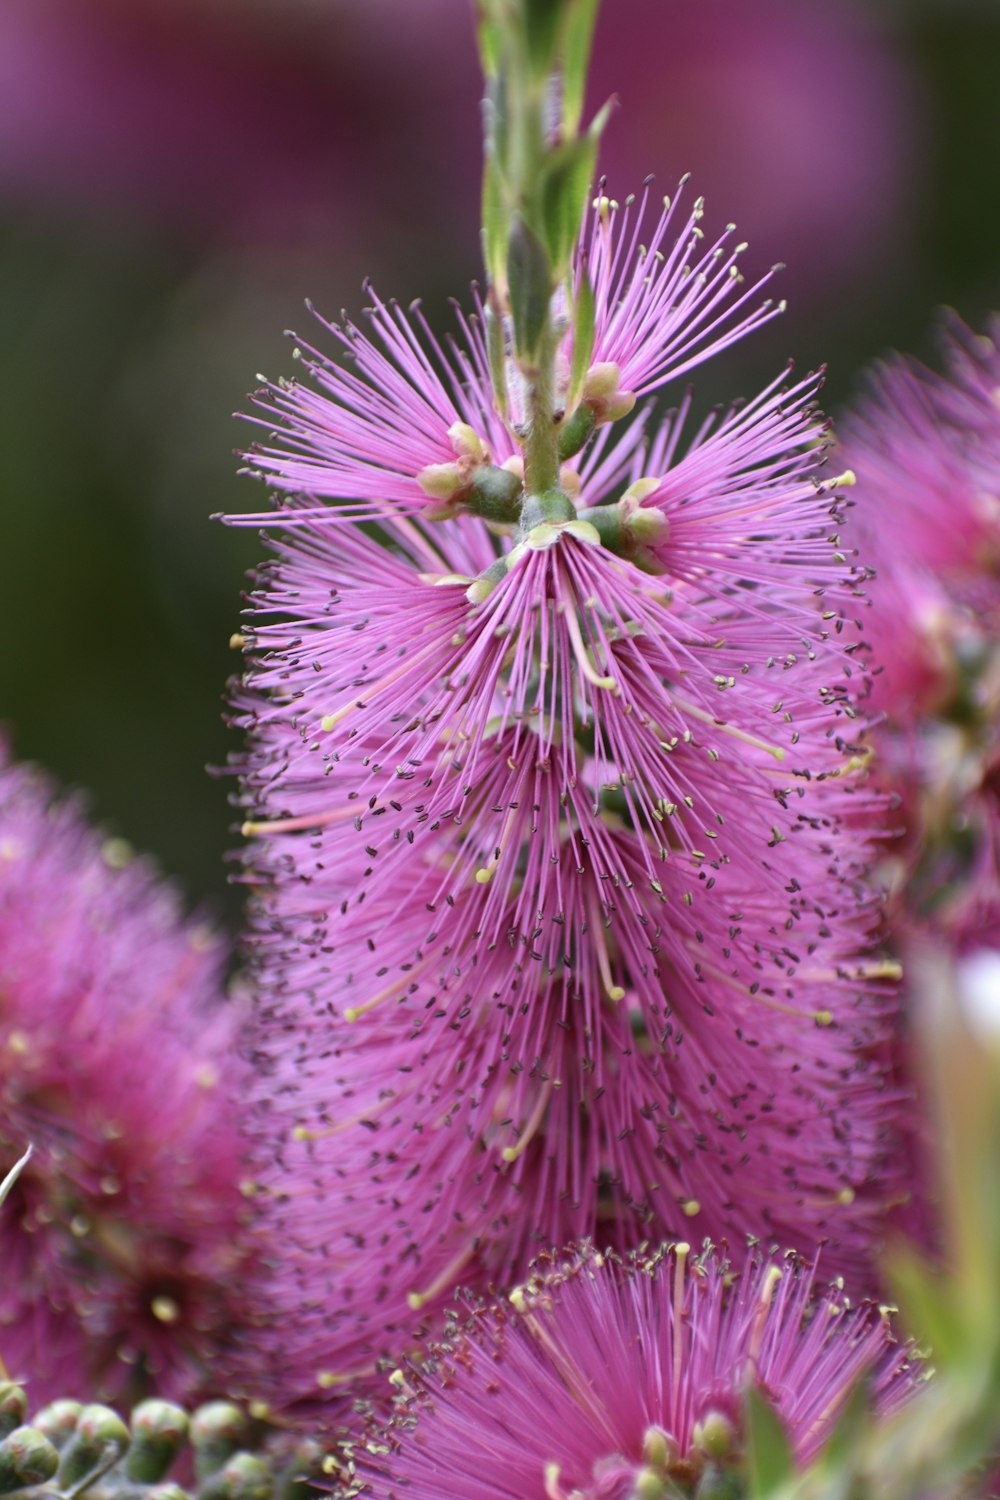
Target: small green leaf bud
217 1430
158 1430
13 1407
101 1436
242 1477
26 1458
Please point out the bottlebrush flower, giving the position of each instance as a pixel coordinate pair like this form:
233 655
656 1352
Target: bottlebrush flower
121 1238
560 918
602 1379
926 448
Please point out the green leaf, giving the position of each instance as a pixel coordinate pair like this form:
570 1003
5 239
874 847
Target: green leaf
927 1311
563 188
542 19
529 278
770 1462
490 36
497 356
494 225
583 336
579 35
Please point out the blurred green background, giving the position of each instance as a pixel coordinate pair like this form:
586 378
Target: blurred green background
176 177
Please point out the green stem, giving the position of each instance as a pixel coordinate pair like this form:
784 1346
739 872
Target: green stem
540 443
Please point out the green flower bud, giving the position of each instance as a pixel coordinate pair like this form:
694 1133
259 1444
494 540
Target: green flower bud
26 1458
13 1407
158 1430
100 1439
217 1431
58 1421
242 1477
715 1435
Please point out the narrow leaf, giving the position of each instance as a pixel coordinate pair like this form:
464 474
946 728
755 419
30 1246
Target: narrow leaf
770 1463
529 279
579 35
541 32
494 227
563 189
583 336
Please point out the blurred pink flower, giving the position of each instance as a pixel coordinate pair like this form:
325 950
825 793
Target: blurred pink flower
290 122
601 1379
926 448
121 1238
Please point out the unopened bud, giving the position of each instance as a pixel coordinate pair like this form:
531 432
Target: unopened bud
26 1458
648 526
100 1436
482 587
649 1485
602 381
602 393
58 1421
442 481
217 1430
715 1435
158 1430
659 1448
467 443
13 1407
242 1477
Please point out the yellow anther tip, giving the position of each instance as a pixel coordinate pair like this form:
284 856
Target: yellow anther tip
691 1207
484 876
616 992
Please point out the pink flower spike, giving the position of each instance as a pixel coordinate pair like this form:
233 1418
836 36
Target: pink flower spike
602 1379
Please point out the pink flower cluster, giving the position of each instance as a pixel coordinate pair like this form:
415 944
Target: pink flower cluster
603 1379
926 449
121 1237
560 918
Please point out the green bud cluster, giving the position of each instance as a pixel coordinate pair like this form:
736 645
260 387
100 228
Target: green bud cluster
69 1449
